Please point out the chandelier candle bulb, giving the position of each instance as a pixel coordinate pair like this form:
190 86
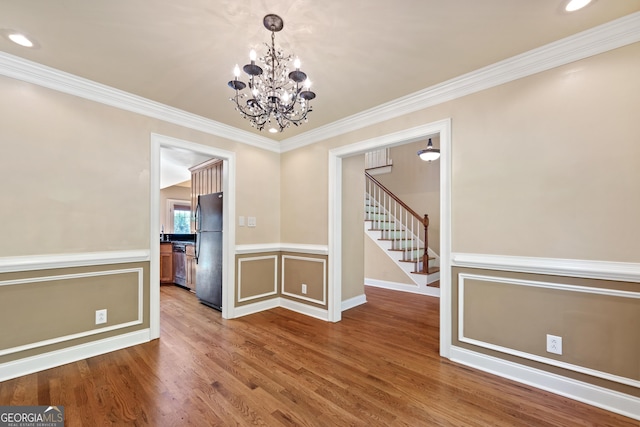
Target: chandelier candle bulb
277 96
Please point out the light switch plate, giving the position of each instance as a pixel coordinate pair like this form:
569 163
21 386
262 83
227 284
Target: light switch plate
241 221
251 221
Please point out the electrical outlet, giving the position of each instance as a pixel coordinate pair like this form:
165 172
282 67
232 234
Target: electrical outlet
304 289
101 316
554 344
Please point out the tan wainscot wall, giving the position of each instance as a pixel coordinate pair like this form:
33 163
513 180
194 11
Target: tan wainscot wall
47 310
257 277
269 275
508 315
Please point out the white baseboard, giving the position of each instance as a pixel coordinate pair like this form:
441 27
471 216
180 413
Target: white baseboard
354 302
414 289
52 359
318 313
245 310
600 397
256 307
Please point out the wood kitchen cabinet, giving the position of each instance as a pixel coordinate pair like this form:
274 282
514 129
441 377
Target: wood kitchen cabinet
191 267
206 178
166 263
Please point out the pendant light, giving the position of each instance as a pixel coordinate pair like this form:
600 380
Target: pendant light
429 154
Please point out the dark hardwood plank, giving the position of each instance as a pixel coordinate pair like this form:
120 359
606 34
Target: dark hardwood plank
378 367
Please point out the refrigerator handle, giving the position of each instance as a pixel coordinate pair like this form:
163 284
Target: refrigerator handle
197 221
197 249
197 216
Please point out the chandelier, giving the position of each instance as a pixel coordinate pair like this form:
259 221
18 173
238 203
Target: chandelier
277 96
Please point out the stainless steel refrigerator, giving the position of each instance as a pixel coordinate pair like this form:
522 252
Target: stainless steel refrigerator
208 250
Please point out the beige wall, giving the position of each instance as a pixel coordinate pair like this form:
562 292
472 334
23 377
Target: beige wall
304 195
258 194
176 193
352 227
529 176
80 174
548 166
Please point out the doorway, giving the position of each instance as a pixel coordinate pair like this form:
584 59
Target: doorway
442 127
158 142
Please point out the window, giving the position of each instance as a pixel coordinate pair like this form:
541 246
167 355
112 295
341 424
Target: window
179 216
181 219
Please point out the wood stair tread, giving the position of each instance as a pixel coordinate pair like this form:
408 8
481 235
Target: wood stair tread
431 270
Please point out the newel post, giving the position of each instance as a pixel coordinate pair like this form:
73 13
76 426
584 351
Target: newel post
425 256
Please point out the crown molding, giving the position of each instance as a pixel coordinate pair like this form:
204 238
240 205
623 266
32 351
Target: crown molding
597 40
41 75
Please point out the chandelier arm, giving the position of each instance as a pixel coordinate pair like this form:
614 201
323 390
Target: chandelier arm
245 112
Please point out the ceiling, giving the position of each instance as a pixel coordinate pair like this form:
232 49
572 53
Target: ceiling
358 53
175 164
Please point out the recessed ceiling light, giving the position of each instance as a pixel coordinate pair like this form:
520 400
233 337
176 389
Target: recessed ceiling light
574 5
273 130
20 39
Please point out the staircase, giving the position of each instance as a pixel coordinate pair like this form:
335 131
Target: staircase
402 234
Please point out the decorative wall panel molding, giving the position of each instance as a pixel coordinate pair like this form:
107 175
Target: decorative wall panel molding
322 261
462 336
54 278
241 264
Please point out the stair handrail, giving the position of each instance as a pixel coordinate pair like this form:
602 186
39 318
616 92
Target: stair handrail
423 219
393 196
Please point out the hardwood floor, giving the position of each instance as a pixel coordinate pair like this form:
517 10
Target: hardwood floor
378 367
